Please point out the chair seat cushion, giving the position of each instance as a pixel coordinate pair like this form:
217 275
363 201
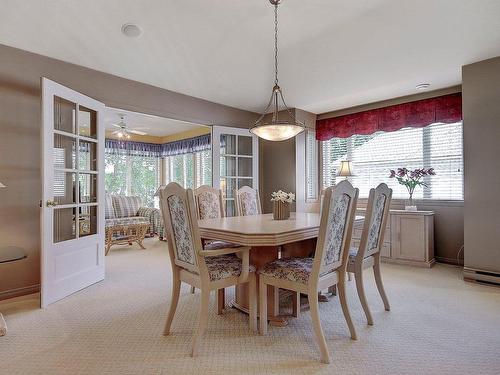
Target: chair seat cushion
293 269
126 221
215 245
223 266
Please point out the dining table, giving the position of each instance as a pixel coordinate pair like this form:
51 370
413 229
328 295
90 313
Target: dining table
268 240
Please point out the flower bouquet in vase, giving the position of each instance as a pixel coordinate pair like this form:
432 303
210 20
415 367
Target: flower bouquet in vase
411 179
281 204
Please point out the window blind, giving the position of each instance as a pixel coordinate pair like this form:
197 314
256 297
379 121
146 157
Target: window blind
312 177
438 146
59 176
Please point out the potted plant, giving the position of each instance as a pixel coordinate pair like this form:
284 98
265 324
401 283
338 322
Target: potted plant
281 204
411 179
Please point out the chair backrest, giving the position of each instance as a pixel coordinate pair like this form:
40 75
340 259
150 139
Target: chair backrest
209 203
377 213
247 201
335 232
181 226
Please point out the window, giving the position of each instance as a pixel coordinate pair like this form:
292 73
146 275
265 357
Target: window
438 146
132 175
189 170
311 166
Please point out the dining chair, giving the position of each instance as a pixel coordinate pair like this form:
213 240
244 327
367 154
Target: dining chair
326 268
367 255
207 270
247 201
209 205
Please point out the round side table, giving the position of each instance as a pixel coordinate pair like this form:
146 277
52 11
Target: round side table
7 255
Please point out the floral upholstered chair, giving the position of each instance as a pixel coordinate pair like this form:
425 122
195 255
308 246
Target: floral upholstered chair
247 201
325 269
209 205
372 239
207 270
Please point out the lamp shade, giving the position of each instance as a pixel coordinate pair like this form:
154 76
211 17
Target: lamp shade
345 169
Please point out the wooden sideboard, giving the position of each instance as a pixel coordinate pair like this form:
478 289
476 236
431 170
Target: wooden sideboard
409 238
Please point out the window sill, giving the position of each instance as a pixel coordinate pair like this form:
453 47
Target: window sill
397 202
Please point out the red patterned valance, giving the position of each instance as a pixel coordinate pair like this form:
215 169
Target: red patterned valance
445 109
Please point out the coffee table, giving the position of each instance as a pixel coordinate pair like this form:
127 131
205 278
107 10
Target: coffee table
126 234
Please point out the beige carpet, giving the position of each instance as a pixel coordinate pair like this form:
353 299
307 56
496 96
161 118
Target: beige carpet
438 325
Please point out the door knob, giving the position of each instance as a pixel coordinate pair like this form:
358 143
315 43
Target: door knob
50 203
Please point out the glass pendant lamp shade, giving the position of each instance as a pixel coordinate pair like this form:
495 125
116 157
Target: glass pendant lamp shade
277 129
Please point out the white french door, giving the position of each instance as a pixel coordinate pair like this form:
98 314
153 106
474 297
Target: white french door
235 162
72 217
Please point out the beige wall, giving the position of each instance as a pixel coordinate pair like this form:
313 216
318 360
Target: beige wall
277 163
20 74
481 106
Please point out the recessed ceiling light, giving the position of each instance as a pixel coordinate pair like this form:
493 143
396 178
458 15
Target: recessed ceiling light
423 86
131 30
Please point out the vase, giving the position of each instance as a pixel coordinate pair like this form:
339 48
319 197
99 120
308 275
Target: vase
410 205
281 210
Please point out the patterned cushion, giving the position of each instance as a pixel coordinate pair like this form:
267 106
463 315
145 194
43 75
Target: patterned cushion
378 212
109 211
126 206
293 269
126 221
154 216
208 205
223 266
335 230
248 203
182 231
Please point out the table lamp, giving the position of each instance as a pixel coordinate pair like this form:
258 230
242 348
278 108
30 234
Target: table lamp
345 169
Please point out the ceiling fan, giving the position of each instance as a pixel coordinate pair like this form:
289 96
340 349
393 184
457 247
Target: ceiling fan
123 131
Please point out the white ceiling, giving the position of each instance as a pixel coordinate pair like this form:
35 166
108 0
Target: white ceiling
333 53
152 125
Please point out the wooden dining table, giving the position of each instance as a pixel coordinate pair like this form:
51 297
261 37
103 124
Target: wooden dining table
269 240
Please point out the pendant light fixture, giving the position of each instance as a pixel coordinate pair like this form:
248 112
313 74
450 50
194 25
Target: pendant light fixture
277 129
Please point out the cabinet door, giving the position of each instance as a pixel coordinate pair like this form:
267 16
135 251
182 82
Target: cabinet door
408 237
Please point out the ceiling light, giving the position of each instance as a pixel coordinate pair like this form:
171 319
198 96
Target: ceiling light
131 30
423 86
277 129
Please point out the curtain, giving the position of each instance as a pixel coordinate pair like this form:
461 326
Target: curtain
118 147
417 114
185 146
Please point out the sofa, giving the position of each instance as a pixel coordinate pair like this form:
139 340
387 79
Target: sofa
123 210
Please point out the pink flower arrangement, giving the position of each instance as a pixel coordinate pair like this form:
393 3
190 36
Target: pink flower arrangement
411 179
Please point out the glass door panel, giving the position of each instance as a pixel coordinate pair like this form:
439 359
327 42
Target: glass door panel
245 145
87 156
87 221
64 224
87 122
64 187
236 152
64 115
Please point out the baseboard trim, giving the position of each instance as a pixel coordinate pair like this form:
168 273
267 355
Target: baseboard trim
449 261
481 276
19 292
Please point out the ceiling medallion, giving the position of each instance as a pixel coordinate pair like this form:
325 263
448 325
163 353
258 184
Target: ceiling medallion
277 129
